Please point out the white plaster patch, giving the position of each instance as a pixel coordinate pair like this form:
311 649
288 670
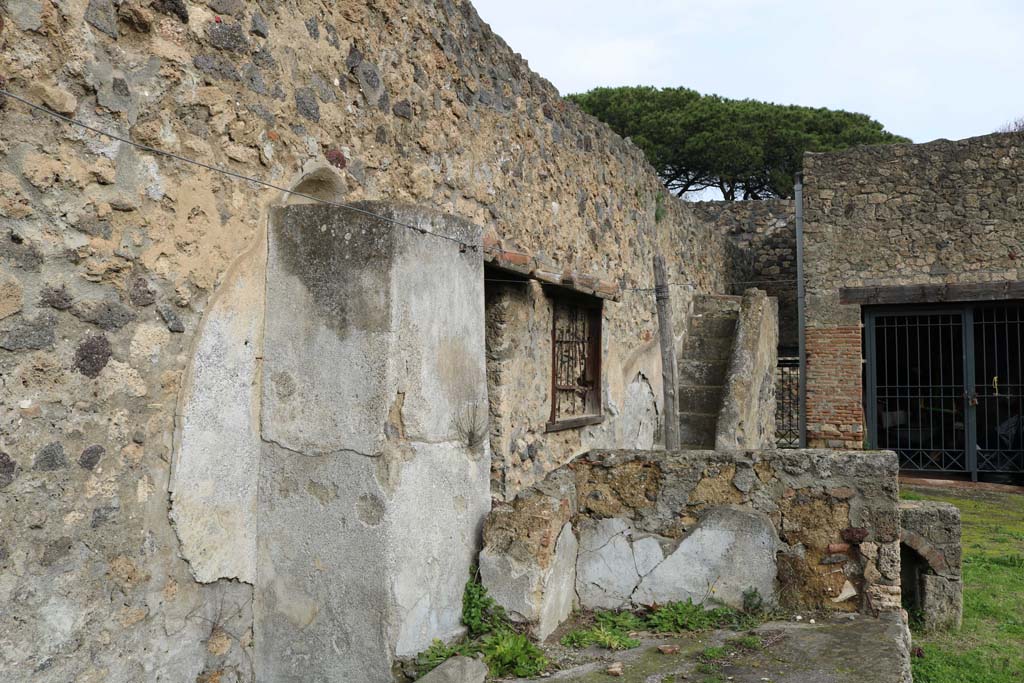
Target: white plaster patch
731 550
213 481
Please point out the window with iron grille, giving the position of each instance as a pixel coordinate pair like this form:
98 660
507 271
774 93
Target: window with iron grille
576 362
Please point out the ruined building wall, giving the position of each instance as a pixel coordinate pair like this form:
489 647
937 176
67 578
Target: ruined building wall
765 231
937 213
127 277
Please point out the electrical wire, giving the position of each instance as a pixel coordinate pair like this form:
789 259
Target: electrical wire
229 172
240 176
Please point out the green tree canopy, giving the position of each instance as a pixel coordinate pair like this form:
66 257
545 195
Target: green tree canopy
745 148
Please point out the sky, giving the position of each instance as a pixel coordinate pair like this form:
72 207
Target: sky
925 69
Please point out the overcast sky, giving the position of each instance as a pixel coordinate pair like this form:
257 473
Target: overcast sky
925 68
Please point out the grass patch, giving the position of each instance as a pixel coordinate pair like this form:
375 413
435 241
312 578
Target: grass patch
612 630
679 617
602 636
990 647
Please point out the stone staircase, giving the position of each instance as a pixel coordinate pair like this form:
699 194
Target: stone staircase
703 364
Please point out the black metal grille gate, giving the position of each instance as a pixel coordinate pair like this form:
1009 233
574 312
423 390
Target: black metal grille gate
945 386
787 402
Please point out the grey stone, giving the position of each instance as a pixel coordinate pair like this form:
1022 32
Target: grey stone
313 28
253 79
259 26
105 314
140 293
102 515
559 595
90 456
234 8
92 355
27 14
217 66
306 104
647 554
174 8
370 82
324 90
50 457
354 58
8 470
34 333
942 602
55 550
457 670
22 253
170 318
230 36
402 109
102 15
730 551
606 572
332 36
56 297
264 59
533 590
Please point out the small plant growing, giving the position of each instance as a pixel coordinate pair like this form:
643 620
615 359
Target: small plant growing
659 208
749 642
714 654
480 613
753 603
602 636
611 631
512 654
505 652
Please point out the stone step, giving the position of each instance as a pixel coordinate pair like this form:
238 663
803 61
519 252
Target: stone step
714 324
703 303
699 399
698 429
705 347
693 371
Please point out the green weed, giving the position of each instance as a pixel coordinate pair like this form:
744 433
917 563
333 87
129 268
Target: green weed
505 652
512 654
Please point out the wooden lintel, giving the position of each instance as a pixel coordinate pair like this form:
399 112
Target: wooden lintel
932 294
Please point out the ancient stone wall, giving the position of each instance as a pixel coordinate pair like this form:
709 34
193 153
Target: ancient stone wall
805 528
931 563
127 277
765 230
937 213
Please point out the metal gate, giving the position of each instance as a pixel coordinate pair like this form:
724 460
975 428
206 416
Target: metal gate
787 402
945 386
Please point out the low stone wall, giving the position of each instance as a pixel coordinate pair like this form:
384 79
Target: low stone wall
617 529
747 416
930 562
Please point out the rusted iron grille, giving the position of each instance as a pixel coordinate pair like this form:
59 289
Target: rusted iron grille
787 402
575 339
945 387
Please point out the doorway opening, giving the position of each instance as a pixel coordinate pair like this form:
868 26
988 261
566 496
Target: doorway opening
945 387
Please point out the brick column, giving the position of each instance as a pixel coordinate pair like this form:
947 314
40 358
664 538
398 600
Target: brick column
835 404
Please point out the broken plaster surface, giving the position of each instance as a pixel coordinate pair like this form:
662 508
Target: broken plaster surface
213 479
